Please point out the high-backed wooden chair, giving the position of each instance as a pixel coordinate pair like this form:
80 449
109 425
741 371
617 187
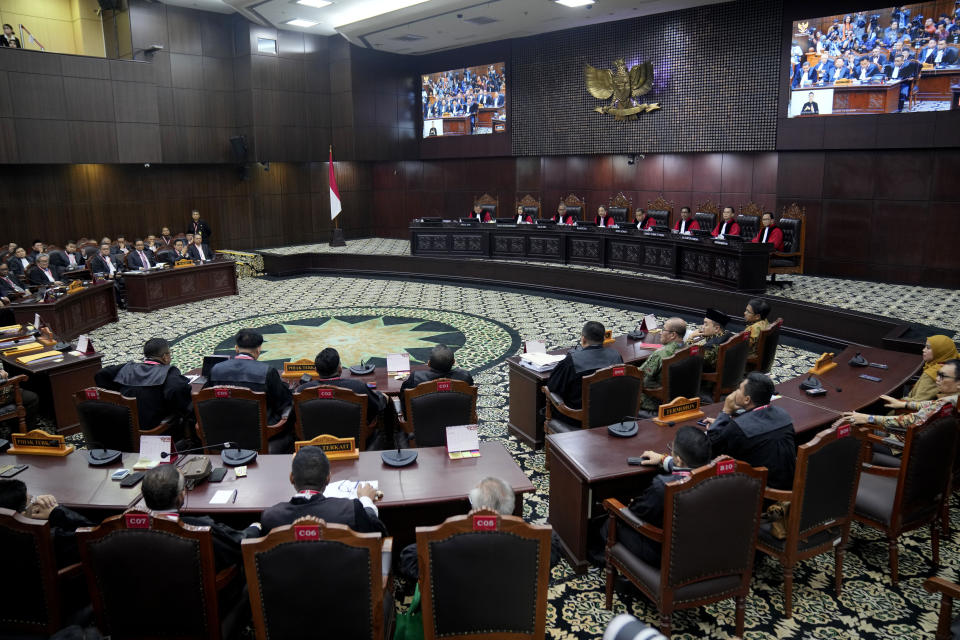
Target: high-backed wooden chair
730 366
901 499
680 375
710 523
178 600
949 591
233 414
608 396
11 402
793 224
821 504
707 215
342 579
767 345
432 406
661 210
35 606
576 206
749 220
111 420
531 206
488 204
333 411
484 575
621 208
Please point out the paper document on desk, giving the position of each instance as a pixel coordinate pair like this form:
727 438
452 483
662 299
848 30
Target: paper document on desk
463 441
398 363
150 449
36 357
541 361
346 488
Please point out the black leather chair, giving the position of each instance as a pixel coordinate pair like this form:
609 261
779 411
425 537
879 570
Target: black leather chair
767 345
709 531
332 411
730 366
233 414
433 406
793 225
620 214
575 206
502 562
488 204
531 210
821 504
342 579
111 420
707 221
607 396
680 376
178 596
13 408
748 226
661 216
897 500
531 206
620 208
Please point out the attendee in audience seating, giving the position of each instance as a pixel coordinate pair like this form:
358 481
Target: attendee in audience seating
41 274
243 370
928 54
65 260
165 239
140 257
603 219
104 264
523 218
31 401
36 250
921 411
196 226
151 244
752 430
562 217
479 214
937 350
804 76
566 379
944 56
310 475
900 70
867 70
727 225
19 262
64 522
769 232
643 220
120 250
179 251
199 250
9 284
713 333
691 449
671 337
837 72
161 391
9 38
821 70
755 316
441 364
685 224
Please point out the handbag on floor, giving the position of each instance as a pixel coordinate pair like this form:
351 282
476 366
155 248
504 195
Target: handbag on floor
409 625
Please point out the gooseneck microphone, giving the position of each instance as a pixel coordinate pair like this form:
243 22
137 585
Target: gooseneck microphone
224 445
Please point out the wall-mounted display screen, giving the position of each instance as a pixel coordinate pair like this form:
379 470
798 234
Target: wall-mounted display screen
895 60
465 101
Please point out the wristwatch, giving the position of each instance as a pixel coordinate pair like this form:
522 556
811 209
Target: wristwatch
871 419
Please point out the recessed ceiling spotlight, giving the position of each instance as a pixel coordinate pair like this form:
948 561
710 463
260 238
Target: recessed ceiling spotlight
575 3
301 22
316 4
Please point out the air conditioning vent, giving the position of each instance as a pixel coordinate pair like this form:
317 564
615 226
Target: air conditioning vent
481 20
410 37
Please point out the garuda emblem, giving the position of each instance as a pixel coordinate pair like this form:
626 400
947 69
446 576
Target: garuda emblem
623 87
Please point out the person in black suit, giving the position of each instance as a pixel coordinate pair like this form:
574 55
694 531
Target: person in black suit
309 475
497 99
876 57
106 266
64 522
928 53
441 365
179 252
944 56
9 285
35 250
19 262
120 250
803 76
65 260
199 250
567 378
140 257
867 70
837 72
197 226
904 71
41 274
821 69
810 106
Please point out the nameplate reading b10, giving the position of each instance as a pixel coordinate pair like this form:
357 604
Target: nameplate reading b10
619 371
726 466
485 523
306 532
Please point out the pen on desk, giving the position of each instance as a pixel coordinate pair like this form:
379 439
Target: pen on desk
234 499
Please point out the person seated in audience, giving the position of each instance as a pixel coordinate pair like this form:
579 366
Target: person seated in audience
944 56
686 224
36 250
567 378
928 54
150 244
755 316
603 219
562 217
867 70
821 69
104 264
199 250
179 251
440 364
19 263
161 391
41 274
837 72
243 370
188 240
752 430
140 257
9 38
310 475
165 239
900 70
31 402
769 232
65 260
643 220
671 337
892 33
522 217
479 214
713 333
327 364
804 76
691 449
921 411
936 350
120 250
727 225
877 58
164 492
9 285
64 522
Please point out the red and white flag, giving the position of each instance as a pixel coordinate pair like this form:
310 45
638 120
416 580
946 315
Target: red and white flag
334 192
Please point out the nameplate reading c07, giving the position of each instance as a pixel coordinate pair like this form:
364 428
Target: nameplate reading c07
843 431
137 520
221 393
619 371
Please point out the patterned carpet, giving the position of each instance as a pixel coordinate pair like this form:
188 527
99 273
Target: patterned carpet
301 315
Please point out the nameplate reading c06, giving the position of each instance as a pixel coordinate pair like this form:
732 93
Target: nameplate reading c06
136 520
726 466
486 523
306 532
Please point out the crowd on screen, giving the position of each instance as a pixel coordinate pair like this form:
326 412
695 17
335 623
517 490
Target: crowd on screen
463 91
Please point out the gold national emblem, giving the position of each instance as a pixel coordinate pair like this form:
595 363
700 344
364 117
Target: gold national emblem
622 87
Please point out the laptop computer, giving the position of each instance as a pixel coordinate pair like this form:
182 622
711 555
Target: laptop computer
208 364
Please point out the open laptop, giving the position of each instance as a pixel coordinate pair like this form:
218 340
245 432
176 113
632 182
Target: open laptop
208 364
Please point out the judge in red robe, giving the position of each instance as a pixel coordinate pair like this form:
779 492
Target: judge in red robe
562 217
604 219
522 217
478 213
685 224
727 225
643 221
769 232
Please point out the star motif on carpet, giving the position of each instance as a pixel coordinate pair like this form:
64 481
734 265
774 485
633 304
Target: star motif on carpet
355 341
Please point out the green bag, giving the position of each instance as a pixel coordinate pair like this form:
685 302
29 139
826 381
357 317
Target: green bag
410 624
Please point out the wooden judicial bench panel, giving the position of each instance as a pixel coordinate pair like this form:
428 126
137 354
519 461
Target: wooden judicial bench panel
152 290
740 266
866 98
936 84
55 381
73 313
456 125
485 116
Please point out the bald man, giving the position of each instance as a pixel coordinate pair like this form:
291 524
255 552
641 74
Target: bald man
671 337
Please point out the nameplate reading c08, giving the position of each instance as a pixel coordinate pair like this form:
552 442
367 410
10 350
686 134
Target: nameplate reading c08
306 532
136 520
325 392
443 385
726 466
486 523
221 393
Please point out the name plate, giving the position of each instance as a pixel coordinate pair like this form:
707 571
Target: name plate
507 225
486 523
823 364
726 466
179 264
306 532
680 409
74 287
39 443
136 520
297 368
335 448
654 234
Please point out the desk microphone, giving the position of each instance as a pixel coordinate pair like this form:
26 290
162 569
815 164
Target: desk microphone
100 455
626 428
399 458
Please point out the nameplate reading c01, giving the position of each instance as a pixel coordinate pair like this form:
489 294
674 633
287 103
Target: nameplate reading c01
136 520
726 466
306 532
486 523
443 385
335 448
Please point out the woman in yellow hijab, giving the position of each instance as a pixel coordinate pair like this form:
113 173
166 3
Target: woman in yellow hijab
936 351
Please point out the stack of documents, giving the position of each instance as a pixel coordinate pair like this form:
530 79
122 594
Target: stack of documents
38 357
540 361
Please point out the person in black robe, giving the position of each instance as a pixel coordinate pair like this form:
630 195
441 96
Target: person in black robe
752 430
441 364
566 380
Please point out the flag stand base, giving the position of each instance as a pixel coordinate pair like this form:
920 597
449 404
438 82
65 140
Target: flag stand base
337 240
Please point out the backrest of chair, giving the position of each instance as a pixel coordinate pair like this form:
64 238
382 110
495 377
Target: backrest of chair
926 467
610 394
575 206
793 224
330 410
709 207
32 605
732 360
177 596
680 373
488 204
706 221
767 345
710 523
436 404
826 479
233 414
748 226
108 419
620 207
338 581
484 574
531 206
661 210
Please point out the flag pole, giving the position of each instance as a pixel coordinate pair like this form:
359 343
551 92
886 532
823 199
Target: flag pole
336 239
336 221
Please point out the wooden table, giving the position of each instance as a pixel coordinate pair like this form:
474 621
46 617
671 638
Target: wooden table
156 289
527 401
386 384
485 116
76 484
590 465
55 381
456 125
936 84
866 98
71 314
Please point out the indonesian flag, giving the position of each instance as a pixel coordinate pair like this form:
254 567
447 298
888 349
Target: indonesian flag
334 192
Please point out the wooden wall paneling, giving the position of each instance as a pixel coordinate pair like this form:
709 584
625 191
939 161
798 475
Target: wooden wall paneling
902 249
184 32
708 172
677 172
736 173
847 224
765 172
849 175
138 102
8 141
903 175
92 141
37 96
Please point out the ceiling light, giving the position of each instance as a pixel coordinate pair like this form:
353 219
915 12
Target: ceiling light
574 3
301 22
366 10
316 4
